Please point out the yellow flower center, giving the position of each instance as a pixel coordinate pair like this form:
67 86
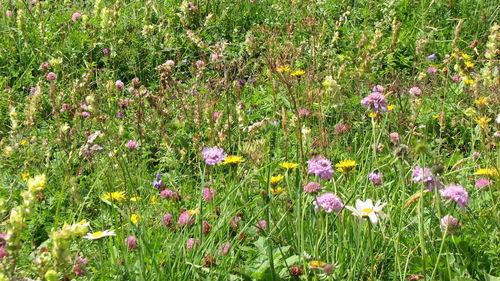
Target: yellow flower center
97 234
367 210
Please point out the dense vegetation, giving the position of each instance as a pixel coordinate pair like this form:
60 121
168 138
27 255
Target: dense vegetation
249 140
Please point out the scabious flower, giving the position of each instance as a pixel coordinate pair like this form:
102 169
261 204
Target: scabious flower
209 194
312 187
366 209
378 89
415 91
213 155
131 242
423 175
449 224
456 193
377 100
132 144
482 183
376 178
185 218
320 167
328 202
99 234
346 166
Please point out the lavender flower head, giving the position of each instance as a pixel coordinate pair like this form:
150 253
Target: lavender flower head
213 155
376 178
377 100
456 193
424 175
432 57
328 202
320 167
449 224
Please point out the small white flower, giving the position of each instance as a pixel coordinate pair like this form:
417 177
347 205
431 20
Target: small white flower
366 209
99 234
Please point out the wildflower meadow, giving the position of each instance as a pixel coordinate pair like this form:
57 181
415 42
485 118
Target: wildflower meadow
249 140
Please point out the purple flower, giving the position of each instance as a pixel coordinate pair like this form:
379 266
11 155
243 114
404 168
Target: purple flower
261 225
456 193
320 167
209 194
432 57
166 193
119 84
51 76
167 219
200 64
449 224
482 183
423 175
312 187
76 16
185 218
85 114
328 202
432 70
132 144
376 178
224 248
157 183
216 115
192 242
378 89
377 100
303 112
213 155
394 137
131 242
106 51
96 147
415 91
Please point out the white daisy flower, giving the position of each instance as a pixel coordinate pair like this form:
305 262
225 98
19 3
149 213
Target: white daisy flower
366 209
99 234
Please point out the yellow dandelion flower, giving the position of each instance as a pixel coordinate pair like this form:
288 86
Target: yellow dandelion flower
483 122
135 218
298 73
25 176
390 107
468 81
486 172
7 151
470 111
316 264
346 166
284 68
114 196
277 191
233 159
288 165
23 142
276 179
481 101
193 211
154 200
135 198
373 115
469 64
466 57
436 116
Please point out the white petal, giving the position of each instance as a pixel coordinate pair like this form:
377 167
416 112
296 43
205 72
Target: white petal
373 218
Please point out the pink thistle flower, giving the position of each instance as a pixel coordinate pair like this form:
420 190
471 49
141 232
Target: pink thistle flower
456 193
51 76
209 194
185 218
131 242
312 187
132 144
415 91
377 100
76 16
303 112
376 178
167 219
482 183
328 202
320 167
